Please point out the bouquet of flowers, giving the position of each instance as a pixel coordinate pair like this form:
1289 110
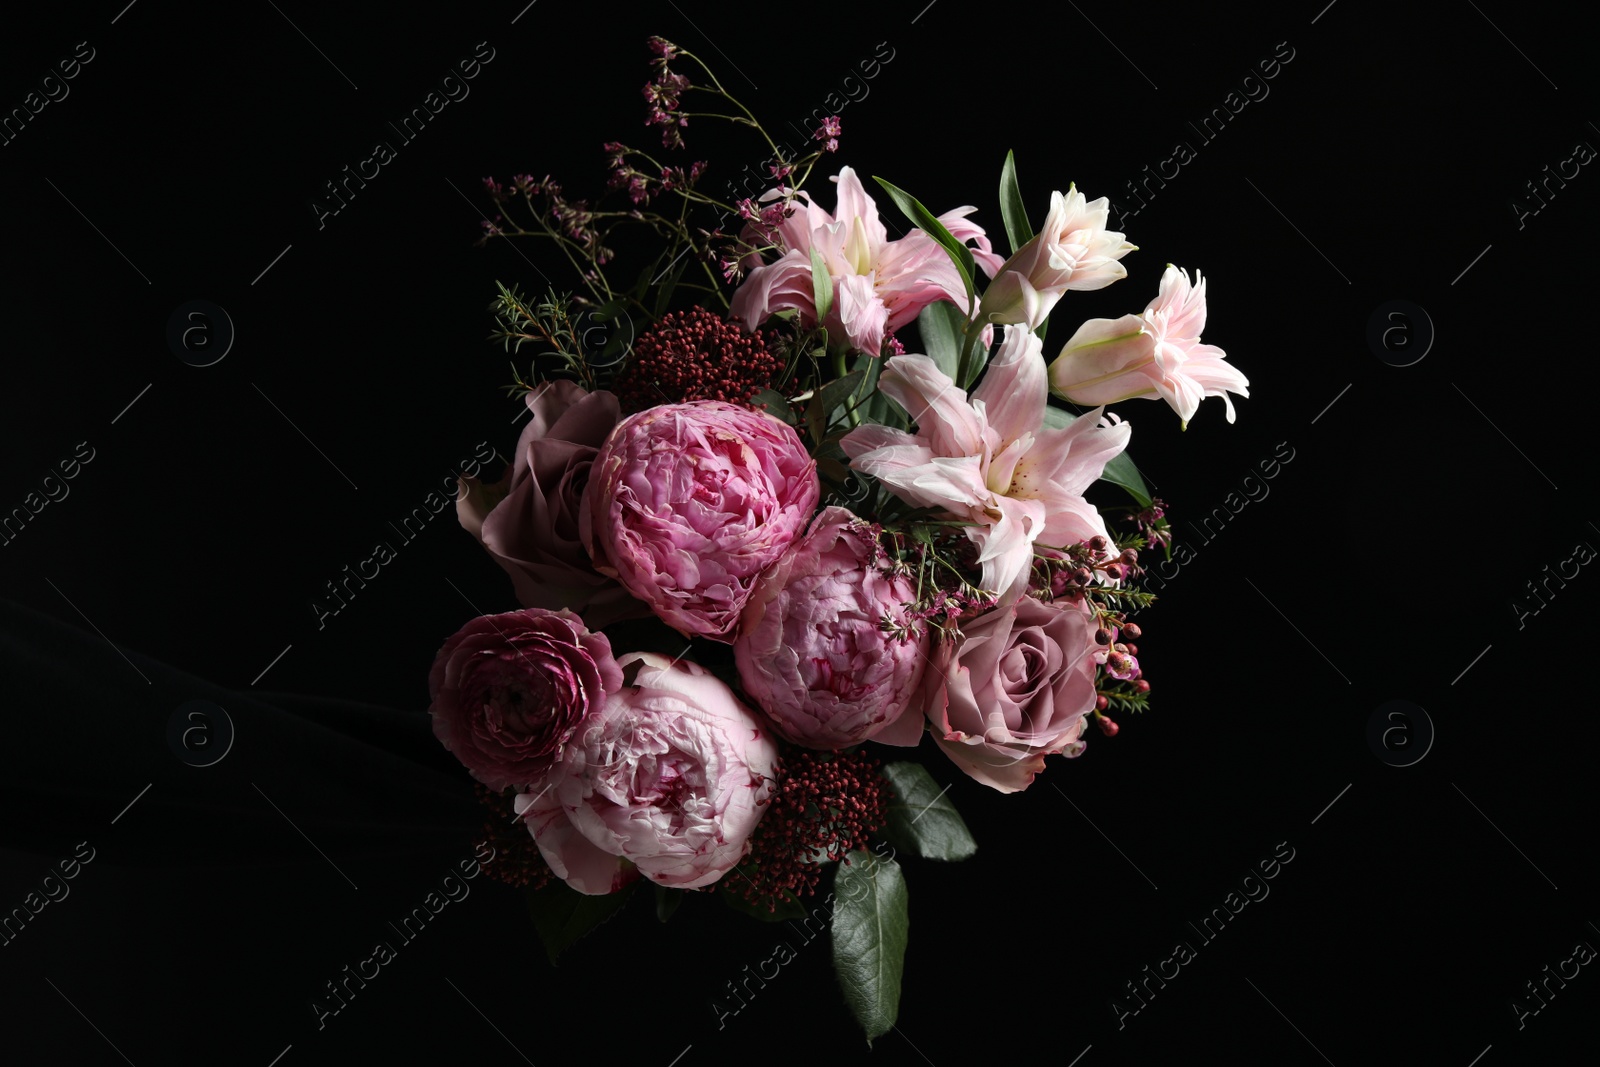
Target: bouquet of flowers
764 540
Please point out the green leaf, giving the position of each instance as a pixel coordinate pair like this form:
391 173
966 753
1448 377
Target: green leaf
1120 471
776 404
562 915
929 224
822 407
821 286
1012 208
667 901
943 328
786 909
869 938
922 820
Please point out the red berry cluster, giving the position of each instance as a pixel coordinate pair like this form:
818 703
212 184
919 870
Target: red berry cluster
826 805
694 355
516 860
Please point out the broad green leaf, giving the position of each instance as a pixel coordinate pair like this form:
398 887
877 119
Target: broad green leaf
829 401
1012 208
667 901
821 286
785 909
929 224
776 404
869 938
922 820
943 328
561 915
1120 471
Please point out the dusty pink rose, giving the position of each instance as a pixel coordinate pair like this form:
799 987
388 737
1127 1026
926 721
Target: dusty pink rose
509 690
529 522
812 649
689 503
668 781
1017 687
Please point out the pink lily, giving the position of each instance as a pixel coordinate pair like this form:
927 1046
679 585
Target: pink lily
879 285
989 459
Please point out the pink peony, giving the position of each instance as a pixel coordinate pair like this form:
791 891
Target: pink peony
812 648
1072 250
689 503
529 523
1017 686
509 690
668 780
879 285
989 458
1156 354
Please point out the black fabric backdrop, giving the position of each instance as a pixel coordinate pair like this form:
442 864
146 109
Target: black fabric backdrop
1385 159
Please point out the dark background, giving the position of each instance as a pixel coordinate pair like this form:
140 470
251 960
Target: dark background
1383 165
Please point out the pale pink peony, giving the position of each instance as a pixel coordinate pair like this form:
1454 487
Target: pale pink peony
529 521
989 459
1072 250
509 690
1157 354
1017 686
812 649
689 503
668 781
879 285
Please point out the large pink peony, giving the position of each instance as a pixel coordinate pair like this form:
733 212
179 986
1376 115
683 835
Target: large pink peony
1016 687
689 503
509 690
879 285
668 781
813 650
529 522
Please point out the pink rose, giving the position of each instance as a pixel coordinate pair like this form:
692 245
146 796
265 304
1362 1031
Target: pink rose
509 690
668 780
529 522
812 649
689 503
1017 687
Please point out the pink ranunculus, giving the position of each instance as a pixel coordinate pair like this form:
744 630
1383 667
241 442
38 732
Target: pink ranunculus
689 503
1156 354
1017 686
529 523
879 285
668 781
1072 250
814 649
509 690
989 459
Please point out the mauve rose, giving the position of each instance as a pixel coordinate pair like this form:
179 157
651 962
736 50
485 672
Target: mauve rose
1017 687
509 690
812 651
529 521
689 503
668 781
